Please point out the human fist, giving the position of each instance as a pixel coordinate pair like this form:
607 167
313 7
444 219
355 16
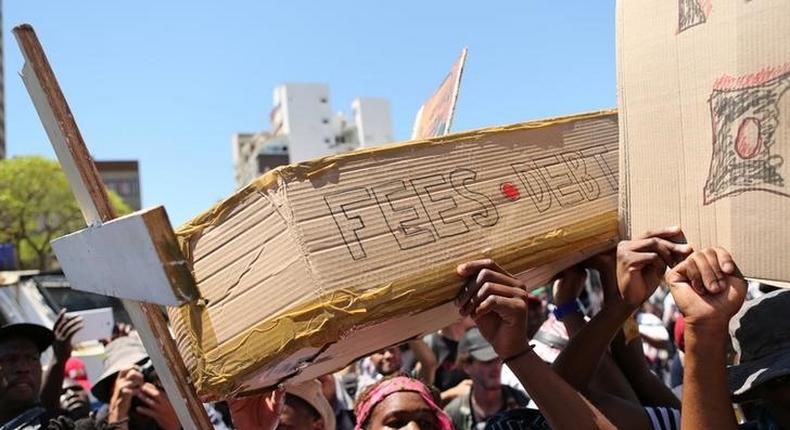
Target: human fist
641 263
708 288
497 302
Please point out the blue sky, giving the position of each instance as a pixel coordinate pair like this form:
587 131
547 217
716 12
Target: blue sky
169 82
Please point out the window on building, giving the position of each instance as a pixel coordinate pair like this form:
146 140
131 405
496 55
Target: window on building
324 100
325 120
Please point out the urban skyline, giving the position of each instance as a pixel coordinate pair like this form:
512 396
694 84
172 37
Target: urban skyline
168 84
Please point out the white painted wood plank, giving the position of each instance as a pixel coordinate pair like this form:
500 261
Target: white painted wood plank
117 259
58 140
95 207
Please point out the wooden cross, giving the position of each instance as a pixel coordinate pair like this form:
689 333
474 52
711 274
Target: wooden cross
153 270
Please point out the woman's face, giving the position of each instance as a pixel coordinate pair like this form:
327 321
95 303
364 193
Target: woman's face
403 410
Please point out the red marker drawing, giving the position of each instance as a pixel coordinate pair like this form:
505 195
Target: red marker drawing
510 191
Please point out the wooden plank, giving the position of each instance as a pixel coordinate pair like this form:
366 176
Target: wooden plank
87 187
140 246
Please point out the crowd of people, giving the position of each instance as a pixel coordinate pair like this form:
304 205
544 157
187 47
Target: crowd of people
652 335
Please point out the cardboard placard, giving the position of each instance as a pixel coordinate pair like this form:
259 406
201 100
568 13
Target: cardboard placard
705 125
98 324
435 116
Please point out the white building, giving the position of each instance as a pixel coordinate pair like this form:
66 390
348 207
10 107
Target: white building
302 126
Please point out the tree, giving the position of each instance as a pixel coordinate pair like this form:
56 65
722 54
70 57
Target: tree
37 206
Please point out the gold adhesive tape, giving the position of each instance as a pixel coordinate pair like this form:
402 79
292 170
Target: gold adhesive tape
190 232
218 369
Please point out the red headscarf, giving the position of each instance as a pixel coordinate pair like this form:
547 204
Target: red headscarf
396 385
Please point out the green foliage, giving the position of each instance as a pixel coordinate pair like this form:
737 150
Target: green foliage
37 206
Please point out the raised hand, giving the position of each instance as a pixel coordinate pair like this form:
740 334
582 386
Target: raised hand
569 285
605 264
498 303
66 326
708 287
641 263
157 407
127 385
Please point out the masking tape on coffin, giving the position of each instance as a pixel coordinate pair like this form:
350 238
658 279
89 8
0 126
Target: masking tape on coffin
218 368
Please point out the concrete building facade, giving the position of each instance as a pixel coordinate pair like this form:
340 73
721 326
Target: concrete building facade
123 177
303 126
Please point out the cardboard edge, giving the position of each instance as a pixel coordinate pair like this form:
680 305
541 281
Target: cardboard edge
624 179
167 248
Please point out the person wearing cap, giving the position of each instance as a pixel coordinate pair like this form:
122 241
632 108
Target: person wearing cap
133 393
74 396
296 407
760 334
498 303
76 371
487 396
21 346
129 386
63 331
306 408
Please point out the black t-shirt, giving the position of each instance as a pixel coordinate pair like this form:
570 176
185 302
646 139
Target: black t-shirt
448 374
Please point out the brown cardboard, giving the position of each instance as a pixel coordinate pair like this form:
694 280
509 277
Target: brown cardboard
316 264
436 115
705 124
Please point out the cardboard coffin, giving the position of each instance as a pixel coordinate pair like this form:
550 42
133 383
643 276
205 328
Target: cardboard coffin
705 124
316 264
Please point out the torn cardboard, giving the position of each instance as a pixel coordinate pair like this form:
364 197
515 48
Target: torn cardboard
705 125
315 264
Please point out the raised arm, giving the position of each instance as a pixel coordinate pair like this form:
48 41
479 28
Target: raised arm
649 388
608 378
426 360
708 289
498 303
640 267
65 328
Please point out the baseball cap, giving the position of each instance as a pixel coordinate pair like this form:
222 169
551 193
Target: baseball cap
474 344
311 393
75 369
760 334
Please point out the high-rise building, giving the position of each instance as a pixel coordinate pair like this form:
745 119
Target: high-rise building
302 126
123 177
